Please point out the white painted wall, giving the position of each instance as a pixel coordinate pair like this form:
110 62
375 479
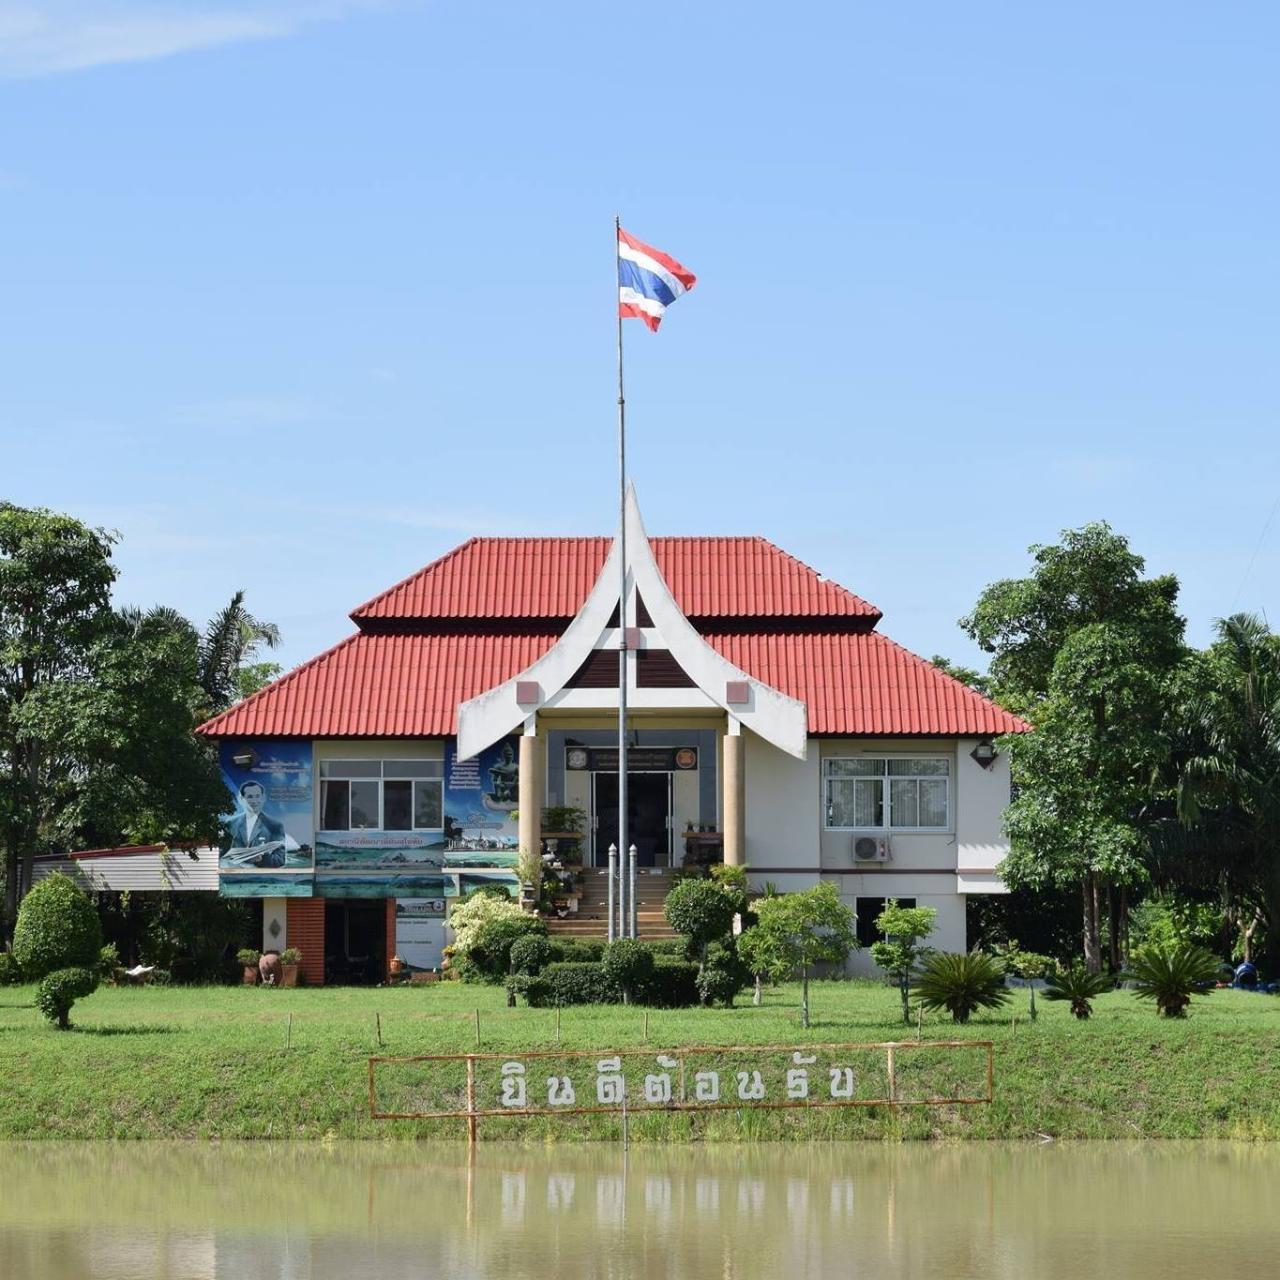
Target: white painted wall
783 811
936 891
981 798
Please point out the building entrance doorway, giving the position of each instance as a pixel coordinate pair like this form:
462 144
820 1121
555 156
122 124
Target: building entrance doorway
648 817
355 941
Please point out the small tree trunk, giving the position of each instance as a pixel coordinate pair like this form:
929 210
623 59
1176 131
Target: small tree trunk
10 893
1092 943
1113 927
804 997
905 989
758 996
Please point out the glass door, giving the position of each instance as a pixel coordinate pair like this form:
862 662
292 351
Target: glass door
648 816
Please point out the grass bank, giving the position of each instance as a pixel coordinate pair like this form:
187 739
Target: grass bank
254 1063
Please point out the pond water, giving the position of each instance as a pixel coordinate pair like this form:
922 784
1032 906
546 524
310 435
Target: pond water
262 1212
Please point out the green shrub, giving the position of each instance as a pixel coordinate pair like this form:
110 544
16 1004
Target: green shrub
572 983
1078 986
108 962
960 983
628 964
703 911
1172 975
530 954
291 955
57 929
59 990
721 977
729 877
673 983
578 950
671 948
10 970
485 928
247 958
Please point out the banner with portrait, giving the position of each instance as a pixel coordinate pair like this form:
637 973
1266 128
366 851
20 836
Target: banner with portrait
481 796
265 845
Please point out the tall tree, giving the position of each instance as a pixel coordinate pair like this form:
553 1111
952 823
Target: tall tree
1085 647
55 585
1228 776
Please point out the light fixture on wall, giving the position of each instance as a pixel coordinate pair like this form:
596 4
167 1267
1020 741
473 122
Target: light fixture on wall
244 759
985 753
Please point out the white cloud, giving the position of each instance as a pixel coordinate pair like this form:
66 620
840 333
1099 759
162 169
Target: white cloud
44 37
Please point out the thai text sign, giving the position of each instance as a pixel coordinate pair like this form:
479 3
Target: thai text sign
911 1073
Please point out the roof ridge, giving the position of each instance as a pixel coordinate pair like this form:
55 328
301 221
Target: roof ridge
278 683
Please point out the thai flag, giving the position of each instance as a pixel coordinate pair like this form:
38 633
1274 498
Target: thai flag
649 281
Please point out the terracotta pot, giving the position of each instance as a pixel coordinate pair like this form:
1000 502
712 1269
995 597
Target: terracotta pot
251 975
269 967
289 974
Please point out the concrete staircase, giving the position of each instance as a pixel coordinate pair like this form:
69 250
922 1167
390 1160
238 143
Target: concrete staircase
591 920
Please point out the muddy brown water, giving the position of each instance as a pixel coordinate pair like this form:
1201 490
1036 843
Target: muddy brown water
1156 1211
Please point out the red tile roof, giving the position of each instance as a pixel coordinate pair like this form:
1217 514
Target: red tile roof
416 658
381 686
862 683
551 577
388 686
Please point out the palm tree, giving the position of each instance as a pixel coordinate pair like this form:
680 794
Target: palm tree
225 650
1228 785
228 647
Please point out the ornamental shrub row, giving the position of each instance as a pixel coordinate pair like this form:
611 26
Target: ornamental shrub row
672 984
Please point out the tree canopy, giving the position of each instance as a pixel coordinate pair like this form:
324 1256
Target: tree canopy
1087 648
98 705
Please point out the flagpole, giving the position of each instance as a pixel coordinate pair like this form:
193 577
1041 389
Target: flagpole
623 843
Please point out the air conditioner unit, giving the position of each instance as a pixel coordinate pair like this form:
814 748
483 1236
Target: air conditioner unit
871 848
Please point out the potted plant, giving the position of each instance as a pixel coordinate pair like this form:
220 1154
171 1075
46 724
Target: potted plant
248 958
290 965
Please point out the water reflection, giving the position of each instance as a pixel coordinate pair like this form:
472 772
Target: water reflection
250 1212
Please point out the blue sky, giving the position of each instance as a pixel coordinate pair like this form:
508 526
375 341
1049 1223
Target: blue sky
299 295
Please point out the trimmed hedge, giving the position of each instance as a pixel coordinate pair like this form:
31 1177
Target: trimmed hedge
673 984
577 950
60 990
530 954
591 950
10 972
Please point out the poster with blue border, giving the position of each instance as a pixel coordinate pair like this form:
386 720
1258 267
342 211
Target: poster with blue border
265 846
481 796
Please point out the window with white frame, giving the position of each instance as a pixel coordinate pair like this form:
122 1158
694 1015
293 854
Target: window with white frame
381 795
874 793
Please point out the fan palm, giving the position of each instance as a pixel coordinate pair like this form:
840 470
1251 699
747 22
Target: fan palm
960 983
1172 975
1079 986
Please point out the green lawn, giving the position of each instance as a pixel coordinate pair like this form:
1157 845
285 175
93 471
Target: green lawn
213 1063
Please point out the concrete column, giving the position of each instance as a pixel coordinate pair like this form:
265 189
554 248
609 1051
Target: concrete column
735 796
532 789
275 924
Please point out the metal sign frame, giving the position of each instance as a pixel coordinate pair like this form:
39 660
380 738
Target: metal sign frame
677 1057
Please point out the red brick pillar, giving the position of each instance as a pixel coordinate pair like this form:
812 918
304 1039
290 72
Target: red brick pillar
304 929
391 936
